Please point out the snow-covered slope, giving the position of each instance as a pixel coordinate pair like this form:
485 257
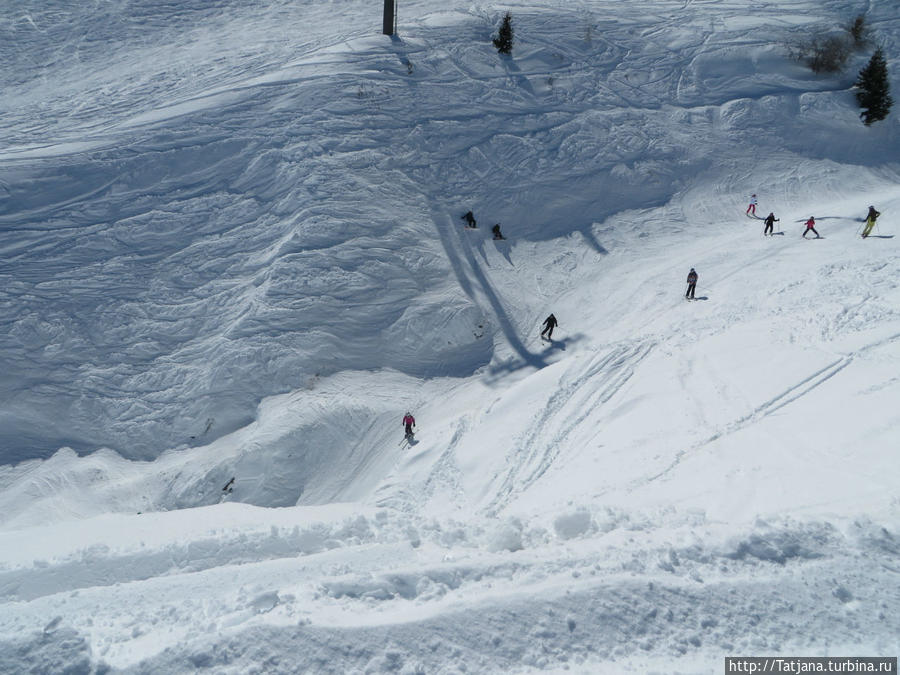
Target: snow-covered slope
233 248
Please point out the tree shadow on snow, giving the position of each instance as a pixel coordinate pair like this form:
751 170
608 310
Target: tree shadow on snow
821 218
515 73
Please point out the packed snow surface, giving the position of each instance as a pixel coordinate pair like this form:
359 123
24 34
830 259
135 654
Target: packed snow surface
233 258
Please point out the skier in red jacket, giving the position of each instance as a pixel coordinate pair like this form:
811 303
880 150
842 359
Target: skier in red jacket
409 422
811 225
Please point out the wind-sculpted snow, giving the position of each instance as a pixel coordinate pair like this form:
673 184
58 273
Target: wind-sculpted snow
233 257
237 222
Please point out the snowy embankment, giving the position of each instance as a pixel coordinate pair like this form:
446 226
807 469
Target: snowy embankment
248 262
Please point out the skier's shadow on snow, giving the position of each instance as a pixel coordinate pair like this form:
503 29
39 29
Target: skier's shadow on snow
551 344
503 247
547 349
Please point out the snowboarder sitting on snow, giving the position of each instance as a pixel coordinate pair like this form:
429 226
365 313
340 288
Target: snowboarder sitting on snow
409 422
496 230
751 210
770 221
469 217
811 225
549 324
870 221
692 284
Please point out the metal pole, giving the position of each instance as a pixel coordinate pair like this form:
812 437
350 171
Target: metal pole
390 13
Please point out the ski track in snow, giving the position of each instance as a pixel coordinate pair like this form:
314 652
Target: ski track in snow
768 408
233 249
535 450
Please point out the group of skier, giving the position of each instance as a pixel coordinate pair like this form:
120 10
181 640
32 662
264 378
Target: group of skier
550 322
770 220
472 224
409 422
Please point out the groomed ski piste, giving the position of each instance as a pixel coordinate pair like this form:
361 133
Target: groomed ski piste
232 248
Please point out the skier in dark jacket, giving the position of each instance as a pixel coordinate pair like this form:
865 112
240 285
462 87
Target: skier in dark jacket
496 230
469 217
770 221
549 324
692 284
870 221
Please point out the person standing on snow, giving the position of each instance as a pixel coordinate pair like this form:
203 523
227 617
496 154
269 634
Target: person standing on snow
409 422
770 221
751 210
549 324
870 221
469 217
692 284
811 225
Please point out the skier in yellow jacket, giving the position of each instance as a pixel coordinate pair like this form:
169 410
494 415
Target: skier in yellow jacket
870 221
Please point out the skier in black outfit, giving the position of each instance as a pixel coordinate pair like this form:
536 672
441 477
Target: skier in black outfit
469 217
770 221
549 324
692 284
496 230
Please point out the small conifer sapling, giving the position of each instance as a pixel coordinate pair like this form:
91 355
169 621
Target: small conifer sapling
873 92
504 40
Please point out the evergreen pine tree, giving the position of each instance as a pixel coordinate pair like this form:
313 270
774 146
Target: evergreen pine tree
874 89
504 40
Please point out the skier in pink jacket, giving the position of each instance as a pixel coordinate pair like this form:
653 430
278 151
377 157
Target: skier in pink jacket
409 422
